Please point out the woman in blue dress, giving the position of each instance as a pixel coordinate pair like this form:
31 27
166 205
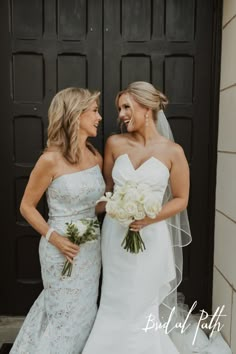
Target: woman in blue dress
69 171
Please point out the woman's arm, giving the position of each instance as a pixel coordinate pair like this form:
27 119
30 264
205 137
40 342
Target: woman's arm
109 163
179 181
107 171
40 178
100 208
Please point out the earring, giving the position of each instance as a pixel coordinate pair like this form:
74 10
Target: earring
146 120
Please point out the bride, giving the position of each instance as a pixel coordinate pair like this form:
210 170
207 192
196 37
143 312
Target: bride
141 289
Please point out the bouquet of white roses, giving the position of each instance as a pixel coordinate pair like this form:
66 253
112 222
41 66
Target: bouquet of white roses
129 202
79 232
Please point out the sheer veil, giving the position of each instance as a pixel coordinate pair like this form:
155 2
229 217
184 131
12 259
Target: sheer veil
180 237
179 231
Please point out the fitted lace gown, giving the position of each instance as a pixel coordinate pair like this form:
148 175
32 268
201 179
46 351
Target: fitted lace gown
60 320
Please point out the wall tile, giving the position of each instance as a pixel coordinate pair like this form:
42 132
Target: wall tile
225 246
227 120
233 329
228 69
229 10
222 295
226 184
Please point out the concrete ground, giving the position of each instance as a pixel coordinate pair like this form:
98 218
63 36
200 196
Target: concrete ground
9 327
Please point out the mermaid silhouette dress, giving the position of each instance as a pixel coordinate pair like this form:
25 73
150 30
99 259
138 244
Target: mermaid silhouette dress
61 318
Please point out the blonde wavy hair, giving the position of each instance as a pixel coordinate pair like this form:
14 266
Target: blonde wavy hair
63 115
146 95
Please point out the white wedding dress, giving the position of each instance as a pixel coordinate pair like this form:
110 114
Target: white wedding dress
134 285
60 320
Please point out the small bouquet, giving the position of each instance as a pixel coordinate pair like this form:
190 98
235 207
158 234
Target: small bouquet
80 232
129 202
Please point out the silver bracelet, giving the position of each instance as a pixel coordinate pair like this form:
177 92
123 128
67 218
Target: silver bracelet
49 233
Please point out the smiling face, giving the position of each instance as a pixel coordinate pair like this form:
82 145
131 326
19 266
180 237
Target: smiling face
131 113
89 120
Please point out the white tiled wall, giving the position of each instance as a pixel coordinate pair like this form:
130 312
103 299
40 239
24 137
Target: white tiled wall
228 72
227 121
225 247
224 281
223 297
229 10
233 329
226 184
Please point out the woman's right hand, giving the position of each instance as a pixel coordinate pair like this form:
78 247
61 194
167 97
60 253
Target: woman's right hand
65 246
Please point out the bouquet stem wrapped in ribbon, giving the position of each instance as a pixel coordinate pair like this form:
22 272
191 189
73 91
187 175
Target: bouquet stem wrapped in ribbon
82 231
129 202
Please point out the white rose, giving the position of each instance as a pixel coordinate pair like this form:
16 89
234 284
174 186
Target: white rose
152 206
130 208
127 187
143 188
131 195
140 213
82 228
122 217
130 184
111 208
117 196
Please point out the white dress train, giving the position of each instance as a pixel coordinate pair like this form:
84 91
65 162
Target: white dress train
134 285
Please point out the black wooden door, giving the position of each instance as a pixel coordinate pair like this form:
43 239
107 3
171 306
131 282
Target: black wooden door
50 45
103 44
171 44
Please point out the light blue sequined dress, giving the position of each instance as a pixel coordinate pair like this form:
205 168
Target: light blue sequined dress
61 318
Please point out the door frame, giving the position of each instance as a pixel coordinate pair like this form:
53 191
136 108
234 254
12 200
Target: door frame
214 109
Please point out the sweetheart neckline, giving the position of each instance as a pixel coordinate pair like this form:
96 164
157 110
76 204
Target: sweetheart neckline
150 158
73 173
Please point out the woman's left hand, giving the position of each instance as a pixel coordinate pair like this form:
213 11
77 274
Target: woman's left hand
137 225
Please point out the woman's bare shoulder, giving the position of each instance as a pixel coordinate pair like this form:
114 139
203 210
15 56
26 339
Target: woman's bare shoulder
48 160
172 146
169 150
117 138
176 152
99 158
176 149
